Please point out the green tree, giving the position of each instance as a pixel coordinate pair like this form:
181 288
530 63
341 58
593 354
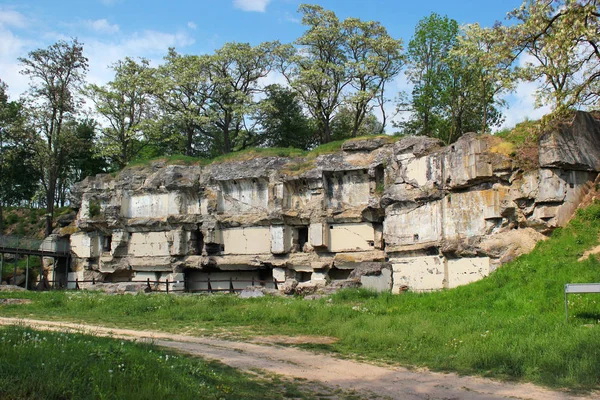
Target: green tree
236 71
342 126
183 89
562 37
127 106
18 177
451 93
282 121
56 74
491 60
374 59
428 71
317 70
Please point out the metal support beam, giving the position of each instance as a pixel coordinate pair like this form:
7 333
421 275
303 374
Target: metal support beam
27 274
14 281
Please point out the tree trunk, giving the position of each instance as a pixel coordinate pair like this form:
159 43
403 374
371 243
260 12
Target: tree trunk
189 142
50 204
226 140
326 132
1 222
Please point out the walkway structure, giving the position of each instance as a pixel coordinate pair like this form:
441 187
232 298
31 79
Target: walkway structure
24 246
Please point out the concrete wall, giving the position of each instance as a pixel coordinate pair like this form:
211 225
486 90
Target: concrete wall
351 237
408 226
467 214
153 205
296 194
348 188
466 270
252 240
318 235
243 195
418 273
281 239
379 283
147 244
221 280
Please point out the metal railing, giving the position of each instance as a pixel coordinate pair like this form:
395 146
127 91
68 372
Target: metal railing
25 243
155 285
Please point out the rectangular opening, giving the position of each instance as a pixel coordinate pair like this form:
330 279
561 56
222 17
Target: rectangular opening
303 276
106 242
339 274
197 242
302 235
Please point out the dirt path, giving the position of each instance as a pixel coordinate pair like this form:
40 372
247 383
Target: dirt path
367 379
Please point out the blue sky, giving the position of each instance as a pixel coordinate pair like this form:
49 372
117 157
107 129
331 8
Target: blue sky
114 29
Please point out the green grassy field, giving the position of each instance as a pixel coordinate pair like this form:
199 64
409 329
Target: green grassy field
45 365
510 325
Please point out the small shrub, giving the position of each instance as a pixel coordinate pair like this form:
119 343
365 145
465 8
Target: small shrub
94 208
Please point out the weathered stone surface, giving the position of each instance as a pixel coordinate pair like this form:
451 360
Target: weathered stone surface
251 293
368 145
574 146
289 286
442 216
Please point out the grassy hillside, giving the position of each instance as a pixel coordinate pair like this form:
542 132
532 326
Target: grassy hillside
30 222
510 325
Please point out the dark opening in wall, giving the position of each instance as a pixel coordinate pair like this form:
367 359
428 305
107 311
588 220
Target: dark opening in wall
379 179
106 242
265 277
119 276
214 248
339 274
197 242
303 276
302 235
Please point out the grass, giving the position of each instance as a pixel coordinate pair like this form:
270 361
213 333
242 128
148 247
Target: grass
509 325
45 365
255 152
29 222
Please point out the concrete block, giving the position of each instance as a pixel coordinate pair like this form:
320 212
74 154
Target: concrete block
351 237
466 270
281 239
319 276
418 273
179 246
251 240
319 235
148 244
72 277
379 283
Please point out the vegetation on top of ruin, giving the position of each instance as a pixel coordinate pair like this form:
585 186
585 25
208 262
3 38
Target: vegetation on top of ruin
510 325
303 156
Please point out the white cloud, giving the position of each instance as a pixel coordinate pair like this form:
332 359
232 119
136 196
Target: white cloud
149 44
251 5
102 26
10 18
521 105
290 18
192 25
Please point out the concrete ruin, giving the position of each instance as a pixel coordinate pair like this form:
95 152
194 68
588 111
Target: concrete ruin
382 214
